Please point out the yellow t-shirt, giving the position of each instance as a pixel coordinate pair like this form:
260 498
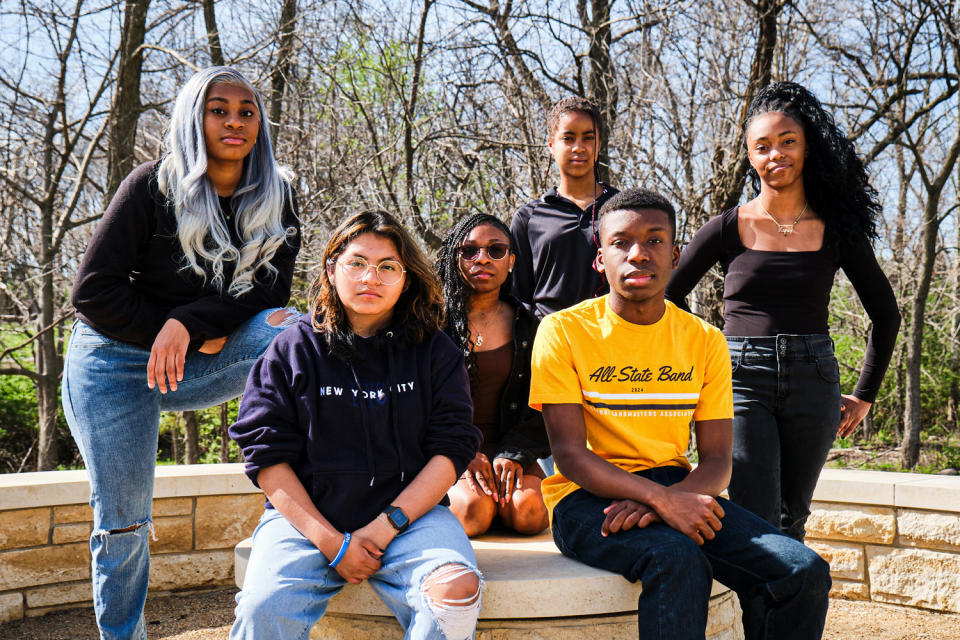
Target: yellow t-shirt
639 384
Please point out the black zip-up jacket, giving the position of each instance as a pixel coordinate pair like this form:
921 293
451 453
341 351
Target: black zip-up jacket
556 242
355 432
522 436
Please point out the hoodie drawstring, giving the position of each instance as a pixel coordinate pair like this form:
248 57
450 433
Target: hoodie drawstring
394 406
394 414
371 469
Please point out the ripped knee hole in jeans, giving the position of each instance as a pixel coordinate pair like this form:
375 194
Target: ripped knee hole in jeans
456 616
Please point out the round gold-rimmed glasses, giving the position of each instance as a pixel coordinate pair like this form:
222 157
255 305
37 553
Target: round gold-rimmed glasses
388 272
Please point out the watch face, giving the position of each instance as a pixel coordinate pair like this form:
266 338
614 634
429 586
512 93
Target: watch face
397 518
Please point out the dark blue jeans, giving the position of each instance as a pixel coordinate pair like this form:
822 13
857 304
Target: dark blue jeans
782 585
786 405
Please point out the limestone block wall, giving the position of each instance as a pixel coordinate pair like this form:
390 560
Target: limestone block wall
889 537
200 513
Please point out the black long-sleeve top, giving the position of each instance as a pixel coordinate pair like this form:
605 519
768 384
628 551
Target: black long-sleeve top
766 293
555 243
131 279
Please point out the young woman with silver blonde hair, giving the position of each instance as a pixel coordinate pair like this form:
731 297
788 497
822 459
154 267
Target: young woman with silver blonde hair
259 197
179 291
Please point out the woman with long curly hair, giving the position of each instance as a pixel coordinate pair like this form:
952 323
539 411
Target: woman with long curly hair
815 213
176 296
495 333
355 423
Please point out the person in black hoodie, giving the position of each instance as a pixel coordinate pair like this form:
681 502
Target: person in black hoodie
355 423
495 333
177 295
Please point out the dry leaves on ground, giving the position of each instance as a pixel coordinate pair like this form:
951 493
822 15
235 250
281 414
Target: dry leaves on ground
208 615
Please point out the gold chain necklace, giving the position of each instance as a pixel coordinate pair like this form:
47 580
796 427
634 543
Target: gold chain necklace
785 229
485 318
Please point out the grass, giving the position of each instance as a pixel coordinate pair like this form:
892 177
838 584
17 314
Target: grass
936 455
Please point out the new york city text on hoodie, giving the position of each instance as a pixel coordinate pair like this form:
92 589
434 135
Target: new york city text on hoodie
355 432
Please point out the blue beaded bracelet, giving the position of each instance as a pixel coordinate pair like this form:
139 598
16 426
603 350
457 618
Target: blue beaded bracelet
342 552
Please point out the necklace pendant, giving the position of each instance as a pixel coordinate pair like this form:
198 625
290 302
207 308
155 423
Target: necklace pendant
785 229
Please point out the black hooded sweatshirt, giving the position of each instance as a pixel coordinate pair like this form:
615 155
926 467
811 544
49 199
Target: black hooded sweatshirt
357 431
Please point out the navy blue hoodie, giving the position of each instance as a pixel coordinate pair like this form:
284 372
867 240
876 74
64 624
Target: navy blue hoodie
355 433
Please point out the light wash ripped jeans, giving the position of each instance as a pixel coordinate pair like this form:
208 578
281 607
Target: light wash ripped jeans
114 418
289 583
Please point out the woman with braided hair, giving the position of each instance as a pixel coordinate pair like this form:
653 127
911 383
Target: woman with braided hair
815 212
495 333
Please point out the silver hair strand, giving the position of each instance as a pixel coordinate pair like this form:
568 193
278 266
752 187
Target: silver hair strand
258 200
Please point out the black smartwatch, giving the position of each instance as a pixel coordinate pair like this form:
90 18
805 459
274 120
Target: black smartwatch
397 518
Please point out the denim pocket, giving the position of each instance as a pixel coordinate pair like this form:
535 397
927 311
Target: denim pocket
829 369
86 337
735 358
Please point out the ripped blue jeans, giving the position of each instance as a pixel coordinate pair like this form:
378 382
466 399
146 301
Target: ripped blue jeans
114 418
289 583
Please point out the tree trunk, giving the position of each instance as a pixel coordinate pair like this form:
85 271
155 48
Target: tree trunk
58 157
899 257
730 174
429 236
281 72
191 429
899 425
126 108
224 435
954 400
213 33
910 449
175 439
47 403
601 83
867 430
47 361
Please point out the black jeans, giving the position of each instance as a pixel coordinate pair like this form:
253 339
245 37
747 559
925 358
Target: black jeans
786 404
782 585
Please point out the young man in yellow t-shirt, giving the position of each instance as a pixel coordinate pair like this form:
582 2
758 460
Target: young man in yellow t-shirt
618 379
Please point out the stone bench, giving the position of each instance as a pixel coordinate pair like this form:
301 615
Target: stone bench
531 592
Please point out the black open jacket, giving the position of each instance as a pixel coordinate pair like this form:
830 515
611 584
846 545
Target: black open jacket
522 436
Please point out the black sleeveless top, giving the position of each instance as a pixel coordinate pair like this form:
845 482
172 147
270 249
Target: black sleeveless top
766 293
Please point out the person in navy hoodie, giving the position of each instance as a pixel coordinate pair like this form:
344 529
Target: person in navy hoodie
355 423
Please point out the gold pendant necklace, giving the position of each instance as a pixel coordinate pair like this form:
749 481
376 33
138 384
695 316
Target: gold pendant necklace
483 321
785 229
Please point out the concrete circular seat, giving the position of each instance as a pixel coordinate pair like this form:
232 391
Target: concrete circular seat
531 592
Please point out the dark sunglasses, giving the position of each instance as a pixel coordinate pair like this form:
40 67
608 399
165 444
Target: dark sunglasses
495 251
